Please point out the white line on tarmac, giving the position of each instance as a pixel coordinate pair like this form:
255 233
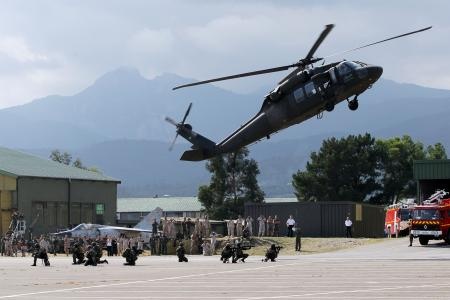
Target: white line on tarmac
144 281
350 291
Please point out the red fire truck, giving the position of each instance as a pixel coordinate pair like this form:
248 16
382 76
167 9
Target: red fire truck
431 220
396 222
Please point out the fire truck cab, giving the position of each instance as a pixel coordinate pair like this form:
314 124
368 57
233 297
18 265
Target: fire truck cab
431 220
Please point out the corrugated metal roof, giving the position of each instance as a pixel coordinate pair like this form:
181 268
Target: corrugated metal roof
18 164
169 204
431 169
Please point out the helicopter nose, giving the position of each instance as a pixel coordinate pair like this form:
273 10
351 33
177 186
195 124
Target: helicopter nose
374 73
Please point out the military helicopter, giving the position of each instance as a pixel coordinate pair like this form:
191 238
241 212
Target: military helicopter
306 92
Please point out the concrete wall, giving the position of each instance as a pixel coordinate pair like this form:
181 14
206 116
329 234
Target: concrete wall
44 202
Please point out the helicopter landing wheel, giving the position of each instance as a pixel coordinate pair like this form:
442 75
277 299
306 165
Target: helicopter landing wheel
329 106
353 104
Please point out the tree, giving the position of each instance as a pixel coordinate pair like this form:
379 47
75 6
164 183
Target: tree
397 159
233 182
343 169
436 152
66 158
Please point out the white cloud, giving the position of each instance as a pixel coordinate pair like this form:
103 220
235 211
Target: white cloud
49 48
18 49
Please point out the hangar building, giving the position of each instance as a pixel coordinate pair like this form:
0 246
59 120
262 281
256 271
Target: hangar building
431 175
51 195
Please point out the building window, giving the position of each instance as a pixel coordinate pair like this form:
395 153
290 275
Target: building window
99 209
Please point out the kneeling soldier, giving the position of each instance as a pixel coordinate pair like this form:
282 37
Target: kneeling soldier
77 254
239 254
41 253
91 257
272 253
181 253
131 255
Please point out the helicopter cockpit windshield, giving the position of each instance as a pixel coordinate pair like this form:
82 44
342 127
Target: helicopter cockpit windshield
347 66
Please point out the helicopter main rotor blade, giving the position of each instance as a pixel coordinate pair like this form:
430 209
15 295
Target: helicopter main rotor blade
301 63
173 142
171 121
379 42
319 41
186 113
259 72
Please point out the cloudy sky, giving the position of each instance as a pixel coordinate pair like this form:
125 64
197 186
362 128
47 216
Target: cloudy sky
61 47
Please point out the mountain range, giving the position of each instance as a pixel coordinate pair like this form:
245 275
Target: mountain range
117 124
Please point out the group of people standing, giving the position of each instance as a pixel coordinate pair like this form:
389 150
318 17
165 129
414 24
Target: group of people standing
244 226
269 226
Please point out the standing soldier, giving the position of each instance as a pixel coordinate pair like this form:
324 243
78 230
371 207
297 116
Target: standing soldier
153 245
249 225
154 227
411 237
194 246
43 243
239 226
230 227
171 229
276 226
184 227
206 227
261 225
163 242
66 245
298 239
213 242
197 227
269 226
119 245
165 226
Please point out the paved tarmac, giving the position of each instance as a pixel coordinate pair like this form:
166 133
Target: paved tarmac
388 269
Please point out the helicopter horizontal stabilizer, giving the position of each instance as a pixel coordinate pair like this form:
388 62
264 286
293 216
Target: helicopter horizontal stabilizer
194 155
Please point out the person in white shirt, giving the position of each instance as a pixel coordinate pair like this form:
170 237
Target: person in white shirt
348 227
290 224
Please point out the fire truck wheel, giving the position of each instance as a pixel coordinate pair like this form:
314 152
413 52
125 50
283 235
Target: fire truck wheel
423 240
447 239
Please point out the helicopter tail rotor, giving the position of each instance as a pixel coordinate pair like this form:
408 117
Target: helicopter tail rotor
179 126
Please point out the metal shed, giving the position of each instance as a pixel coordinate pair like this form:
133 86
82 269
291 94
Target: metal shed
431 175
324 219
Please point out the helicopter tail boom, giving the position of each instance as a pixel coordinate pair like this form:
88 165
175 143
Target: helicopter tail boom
202 147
